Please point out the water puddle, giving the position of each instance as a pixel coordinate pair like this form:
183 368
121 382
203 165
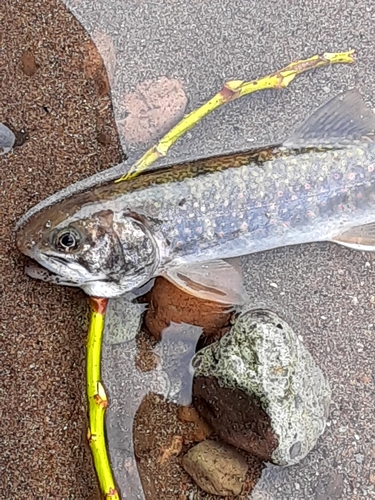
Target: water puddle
156 67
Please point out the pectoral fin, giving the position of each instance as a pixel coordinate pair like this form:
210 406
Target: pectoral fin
359 238
215 280
338 122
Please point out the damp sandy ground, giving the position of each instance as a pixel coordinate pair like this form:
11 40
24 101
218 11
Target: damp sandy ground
324 291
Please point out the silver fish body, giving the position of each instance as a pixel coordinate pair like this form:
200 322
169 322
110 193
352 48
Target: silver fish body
292 199
204 211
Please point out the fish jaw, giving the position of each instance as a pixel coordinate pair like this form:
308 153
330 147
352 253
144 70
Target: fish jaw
54 270
57 270
95 288
107 289
35 271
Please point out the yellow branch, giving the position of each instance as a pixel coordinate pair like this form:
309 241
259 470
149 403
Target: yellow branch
234 90
97 400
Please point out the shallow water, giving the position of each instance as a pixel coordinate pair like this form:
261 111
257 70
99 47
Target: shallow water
325 292
341 464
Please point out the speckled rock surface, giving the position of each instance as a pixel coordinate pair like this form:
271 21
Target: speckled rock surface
217 468
152 110
263 357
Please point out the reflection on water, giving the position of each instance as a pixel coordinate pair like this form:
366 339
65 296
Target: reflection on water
148 382
138 368
323 292
245 388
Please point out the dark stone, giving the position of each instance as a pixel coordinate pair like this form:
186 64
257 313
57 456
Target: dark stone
238 419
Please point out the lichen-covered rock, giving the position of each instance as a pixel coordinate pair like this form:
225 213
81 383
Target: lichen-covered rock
264 358
217 468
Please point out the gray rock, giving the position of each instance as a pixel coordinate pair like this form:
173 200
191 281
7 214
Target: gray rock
263 357
7 139
176 350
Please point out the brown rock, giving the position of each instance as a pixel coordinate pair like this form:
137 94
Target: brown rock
216 468
199 430
150 490
168 303
152 109
103 138
188 414
28 64
238 419
174 449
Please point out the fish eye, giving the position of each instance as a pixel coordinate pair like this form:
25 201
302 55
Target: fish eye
68 239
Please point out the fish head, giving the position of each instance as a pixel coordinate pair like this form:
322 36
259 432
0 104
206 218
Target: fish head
104 253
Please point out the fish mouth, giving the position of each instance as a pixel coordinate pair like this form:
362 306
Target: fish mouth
36 271
56 269
94 287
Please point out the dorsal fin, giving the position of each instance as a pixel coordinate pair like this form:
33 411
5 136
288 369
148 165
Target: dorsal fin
340 121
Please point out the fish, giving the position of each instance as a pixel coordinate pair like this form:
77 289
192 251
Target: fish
187 221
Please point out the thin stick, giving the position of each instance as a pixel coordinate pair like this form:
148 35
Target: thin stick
97 399
234 90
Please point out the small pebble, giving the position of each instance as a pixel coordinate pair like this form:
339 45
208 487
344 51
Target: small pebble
28 64
217 468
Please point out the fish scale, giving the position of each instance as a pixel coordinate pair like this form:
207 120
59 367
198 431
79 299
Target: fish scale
181 221
313 199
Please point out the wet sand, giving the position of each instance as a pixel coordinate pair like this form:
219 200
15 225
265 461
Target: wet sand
325 291
43 411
